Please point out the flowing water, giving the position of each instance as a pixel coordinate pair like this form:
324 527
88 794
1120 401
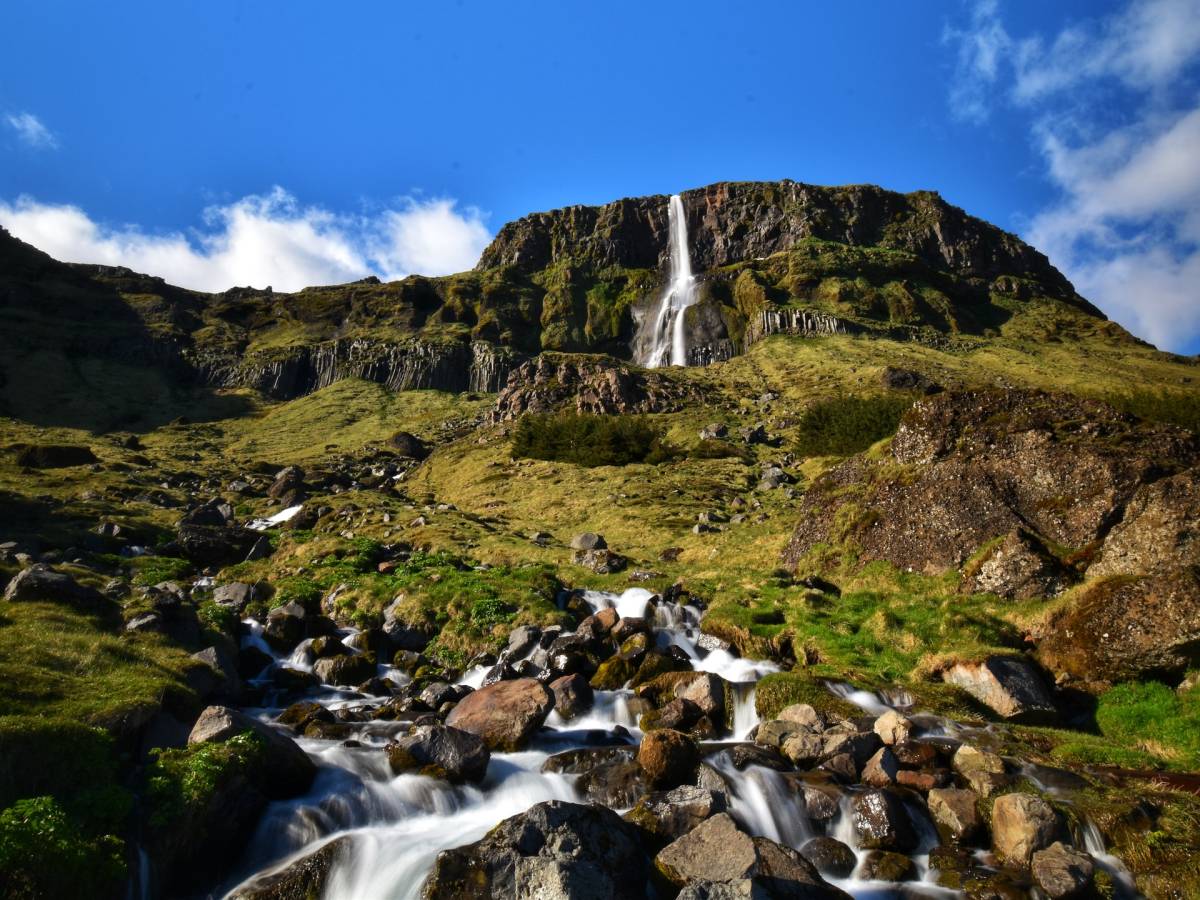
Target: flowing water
396 825
663 338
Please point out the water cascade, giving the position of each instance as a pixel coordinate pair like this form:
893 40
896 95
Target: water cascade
666 343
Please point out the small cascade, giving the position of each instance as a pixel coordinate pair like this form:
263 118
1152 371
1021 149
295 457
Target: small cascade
663 341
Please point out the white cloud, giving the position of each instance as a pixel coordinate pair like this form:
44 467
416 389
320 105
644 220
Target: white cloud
263 240
31 131
1126 224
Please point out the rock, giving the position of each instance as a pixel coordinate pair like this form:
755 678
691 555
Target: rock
669 758
983 771
602 562
572 695
880 822
222 663
923 781
613 674
893 728
345 670
207 545
803 749
861 745
300 880
669 815
822 801
553 850
895 379
1159 531
436 693
1126 629
521 640
1062 872
52 456
288 770
708 691
505 714
831 857
441 752
881 769
678 714
286 626
39 582
236 595
216 513
955 812
408 445
1008 685
713 432
756 434
589 540
1016 568
883 865
1022 824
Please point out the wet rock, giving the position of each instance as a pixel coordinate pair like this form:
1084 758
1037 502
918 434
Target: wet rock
345 670
1062 872
1017 568
883 865
521 640
955 813
1022 824
893 728
572 695
613 674
436 693
1008 685
584 759
251 661
678 714
915 754
619 784
842 767
288 771
708 691
742 755
881 769
982 770
880 822
505 714
286 626
440 752
860 745
923 781
822 801
39 582
303 879
669 758
553 850
803 749
669 815
832 858
298 715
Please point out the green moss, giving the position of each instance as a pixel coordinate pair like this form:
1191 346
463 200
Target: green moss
781 689
152 570
182 781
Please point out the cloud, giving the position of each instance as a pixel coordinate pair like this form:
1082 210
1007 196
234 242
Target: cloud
1114 115
31 131
268 239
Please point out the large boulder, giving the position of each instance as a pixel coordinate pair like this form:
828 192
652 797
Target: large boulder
1009 685
40 582
1159 531
288 770
1017 567
1022 824
505 714
345 669
441 752
210 545
1062 872
572 695
1126 628
955 812
671 814
669 758
553 850
299 880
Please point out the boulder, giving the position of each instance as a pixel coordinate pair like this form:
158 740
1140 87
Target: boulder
572 695
955 813
441 752
669 815
286 626
39 582
589 540
893 728
880 822
1062 872
1159 531
552 850
1009 685
982 770
804 715
602 562
345 669
832 858
1017 567
209 545
53 456
1021 825
404 635
505 714
299 880
669 758
521 640
708 691
884 865
224 665
235 595
1126 629
408 445
881 769
288 770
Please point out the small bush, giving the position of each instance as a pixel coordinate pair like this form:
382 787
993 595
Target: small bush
848 425
715 449
44 853
487 612
589 440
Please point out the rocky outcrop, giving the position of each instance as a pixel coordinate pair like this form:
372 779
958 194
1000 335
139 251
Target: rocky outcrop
1009 685
399 366
587 384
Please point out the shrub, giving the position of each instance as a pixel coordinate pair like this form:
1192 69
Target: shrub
488 612
44 853
847 425
588 440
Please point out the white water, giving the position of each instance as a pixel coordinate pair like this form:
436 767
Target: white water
666 342
278 519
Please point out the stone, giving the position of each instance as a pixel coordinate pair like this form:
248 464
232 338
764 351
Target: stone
708 691
893 728
982 770
52 456
236 595
669 758
955 813
589 540
209 545
505 714
860 745
552 850
713 432
521 640
602 562
1159 530
1016 568
804 715
441 752
880 822
304 878
345 670
884 865
881 769
224 665
923 781
832 858
40 582
288 771
1062 872
803 749
1021 825
408 445
1009 685
572 695
669 815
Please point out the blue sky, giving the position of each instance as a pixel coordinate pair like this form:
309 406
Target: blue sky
224 143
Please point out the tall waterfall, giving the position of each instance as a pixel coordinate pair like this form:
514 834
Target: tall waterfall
666 344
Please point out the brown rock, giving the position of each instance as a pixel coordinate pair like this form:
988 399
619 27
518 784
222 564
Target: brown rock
669 758
1159 531
1009 685
505 714
1017 568
893 728
955 813
881 769
1021 825
1062 872
572 695
983 771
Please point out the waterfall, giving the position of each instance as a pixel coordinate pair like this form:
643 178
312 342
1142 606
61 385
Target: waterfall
666 344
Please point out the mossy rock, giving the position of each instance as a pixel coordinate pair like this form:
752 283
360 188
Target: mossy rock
779 690
613 674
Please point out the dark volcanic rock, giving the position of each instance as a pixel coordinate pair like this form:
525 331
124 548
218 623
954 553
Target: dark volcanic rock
40 582
554 849
441 752
301 880
53 456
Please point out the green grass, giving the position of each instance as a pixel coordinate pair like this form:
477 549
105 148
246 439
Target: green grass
183 781
1171 406
588 440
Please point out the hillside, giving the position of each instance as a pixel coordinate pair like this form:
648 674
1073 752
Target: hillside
913 523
